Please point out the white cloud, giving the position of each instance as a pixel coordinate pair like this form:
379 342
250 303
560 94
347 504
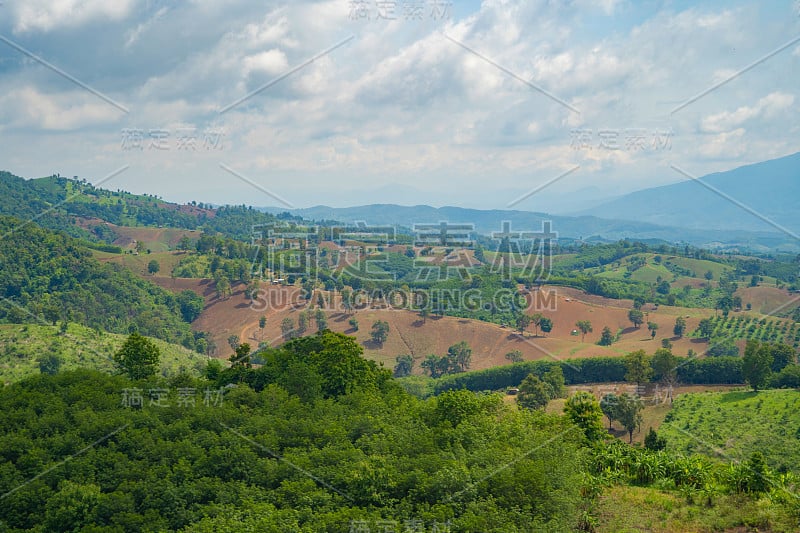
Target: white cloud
46 15
767 107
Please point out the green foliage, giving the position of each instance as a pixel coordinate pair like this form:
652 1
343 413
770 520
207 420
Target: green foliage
404 365
266 461
379 332
533 393
606 337
637 365
138 357
628 412
654 442
756 364
44 273
583 409
50 364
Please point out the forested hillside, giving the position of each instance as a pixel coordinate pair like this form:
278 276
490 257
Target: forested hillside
47 276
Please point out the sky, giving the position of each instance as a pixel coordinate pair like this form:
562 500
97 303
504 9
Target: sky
539 105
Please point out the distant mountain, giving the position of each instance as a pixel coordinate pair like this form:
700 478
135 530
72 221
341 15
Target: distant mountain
770 189
575 227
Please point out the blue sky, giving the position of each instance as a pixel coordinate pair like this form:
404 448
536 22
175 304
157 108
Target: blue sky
477 107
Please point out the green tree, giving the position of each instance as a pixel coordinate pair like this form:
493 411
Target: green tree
379 332
653 442
233 342
262 323
653 327
321 319
585 327
50 364
460 356
608 404
756 364
303 318
287 328
636 317
680 327
522 322
546 324
533 393
514 356
554 377
629 412
705 328
637 366
138 357
241 356
606 337
153 267
583 409
782 356
404 365
353 323
665 365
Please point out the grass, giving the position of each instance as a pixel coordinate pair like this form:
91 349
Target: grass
80 347
735 424
629 509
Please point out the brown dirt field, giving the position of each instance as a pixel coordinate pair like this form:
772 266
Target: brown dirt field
408 335
767 299
138 263
157 239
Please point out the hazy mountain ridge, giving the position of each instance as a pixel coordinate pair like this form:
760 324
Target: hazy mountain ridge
769 188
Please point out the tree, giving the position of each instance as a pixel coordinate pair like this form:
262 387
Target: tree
653 327
554 377
523 321
629 412
533 393
433 364
680 327
782 356
321 319
608 404
223 287
546 324
153 267
756 364
424 313
514 356
50 364
353 323
637 365
262 323
536 321
584 410
404 365
705 328
241 356
606 337
380 331
653 442
138 357
636 317
460 356
664 365
666 344
302 322
347 301
233 342
287 328
584 326
191 305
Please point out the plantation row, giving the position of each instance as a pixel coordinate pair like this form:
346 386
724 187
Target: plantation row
750 328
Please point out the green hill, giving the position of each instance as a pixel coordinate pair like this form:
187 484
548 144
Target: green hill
21 346
735 424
